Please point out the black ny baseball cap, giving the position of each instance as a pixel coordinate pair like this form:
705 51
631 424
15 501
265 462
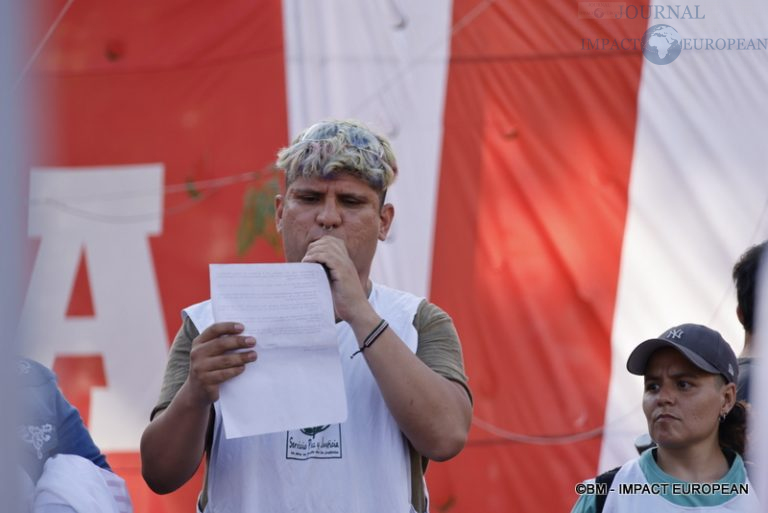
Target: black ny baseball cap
702 346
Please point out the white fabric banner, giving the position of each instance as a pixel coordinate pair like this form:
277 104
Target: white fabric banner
337 52
698 197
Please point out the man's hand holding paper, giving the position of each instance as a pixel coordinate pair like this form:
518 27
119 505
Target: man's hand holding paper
212 360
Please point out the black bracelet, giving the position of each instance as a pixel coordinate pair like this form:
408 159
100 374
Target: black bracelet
372 337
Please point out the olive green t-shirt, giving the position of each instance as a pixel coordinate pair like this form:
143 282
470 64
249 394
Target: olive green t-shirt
438 347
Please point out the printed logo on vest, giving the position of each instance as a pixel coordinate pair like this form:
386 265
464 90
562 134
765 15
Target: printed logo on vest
319 442
39 437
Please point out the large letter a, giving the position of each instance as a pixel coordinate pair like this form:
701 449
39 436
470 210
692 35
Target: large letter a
108 213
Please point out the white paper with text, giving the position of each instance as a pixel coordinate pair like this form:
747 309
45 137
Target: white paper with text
296 381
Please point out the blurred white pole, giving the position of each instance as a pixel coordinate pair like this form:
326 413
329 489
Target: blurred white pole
759 384
11 238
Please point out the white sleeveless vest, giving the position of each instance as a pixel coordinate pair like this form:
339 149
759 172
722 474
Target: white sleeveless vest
632 473
361 465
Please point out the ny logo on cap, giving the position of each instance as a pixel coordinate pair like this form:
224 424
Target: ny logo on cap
675 333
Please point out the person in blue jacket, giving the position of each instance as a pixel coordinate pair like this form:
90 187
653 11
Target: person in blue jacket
60 468
50 425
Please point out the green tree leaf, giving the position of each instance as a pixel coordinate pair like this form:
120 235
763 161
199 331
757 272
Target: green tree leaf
257 217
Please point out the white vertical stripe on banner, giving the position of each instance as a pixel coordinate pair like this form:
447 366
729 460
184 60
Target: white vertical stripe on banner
384 62
698 194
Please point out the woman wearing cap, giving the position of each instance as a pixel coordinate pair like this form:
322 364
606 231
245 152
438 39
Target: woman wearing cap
699 429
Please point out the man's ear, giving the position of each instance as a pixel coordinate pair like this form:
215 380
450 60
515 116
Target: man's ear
279 202
386 216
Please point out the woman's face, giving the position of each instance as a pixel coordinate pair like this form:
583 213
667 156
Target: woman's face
683 403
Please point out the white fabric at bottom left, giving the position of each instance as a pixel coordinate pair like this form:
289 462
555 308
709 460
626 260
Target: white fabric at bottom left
71 483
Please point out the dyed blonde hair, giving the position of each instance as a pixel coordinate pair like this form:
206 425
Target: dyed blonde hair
333 147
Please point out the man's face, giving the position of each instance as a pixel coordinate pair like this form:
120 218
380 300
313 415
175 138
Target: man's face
682 403
344 207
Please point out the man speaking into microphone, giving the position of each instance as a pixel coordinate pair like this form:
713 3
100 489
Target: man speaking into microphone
408 398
